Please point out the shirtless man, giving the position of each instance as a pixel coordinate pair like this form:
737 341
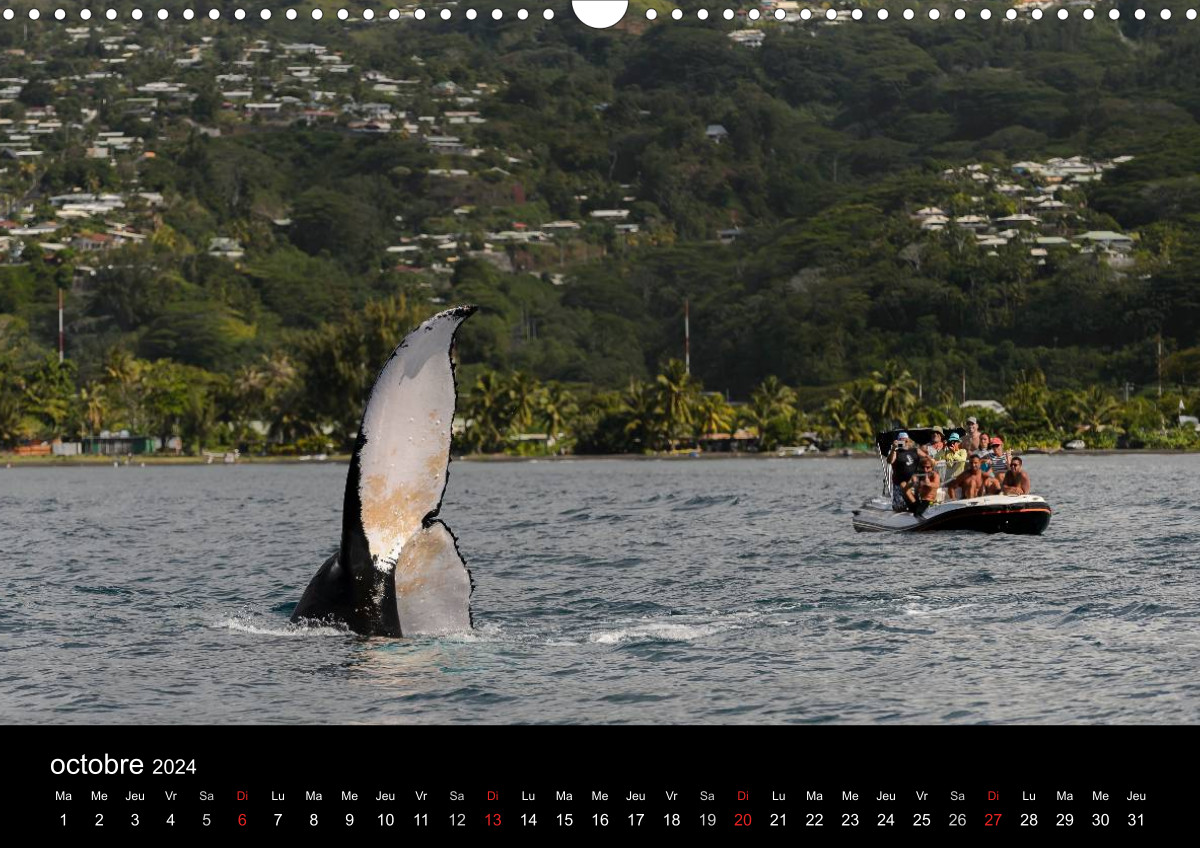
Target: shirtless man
973 441
925 486
1016 481
970 484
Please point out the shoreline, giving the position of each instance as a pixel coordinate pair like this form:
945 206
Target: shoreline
11 461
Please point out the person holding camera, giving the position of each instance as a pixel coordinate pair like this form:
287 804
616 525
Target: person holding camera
955 457
904 458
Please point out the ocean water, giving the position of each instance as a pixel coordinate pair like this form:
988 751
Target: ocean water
607 591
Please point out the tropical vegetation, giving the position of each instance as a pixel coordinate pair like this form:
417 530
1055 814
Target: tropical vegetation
823 310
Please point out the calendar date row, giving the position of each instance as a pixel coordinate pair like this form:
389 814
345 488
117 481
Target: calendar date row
604 820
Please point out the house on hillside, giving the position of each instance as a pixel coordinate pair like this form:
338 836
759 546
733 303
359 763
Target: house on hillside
748 37
972 222
225 248
561 226
1106 238
1019 219
445 144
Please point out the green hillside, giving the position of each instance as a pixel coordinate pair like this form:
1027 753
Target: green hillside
243 218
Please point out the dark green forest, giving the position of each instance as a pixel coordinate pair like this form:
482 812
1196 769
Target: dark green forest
792 236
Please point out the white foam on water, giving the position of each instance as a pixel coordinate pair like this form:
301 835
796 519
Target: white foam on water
924 610
239 624
643 629
656 632
462 636
489 632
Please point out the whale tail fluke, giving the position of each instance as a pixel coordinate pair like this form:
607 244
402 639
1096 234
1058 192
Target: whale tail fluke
433 585
398 571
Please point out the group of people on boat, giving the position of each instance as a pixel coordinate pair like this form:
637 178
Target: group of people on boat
972 465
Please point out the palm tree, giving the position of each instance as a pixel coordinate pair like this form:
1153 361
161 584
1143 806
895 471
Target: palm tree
677 392
928 416
95 407
1094 408
1027 400
557 407
893 392
947 405
752 418
168 239
288 421
523 394
713 414
275 388
801 422
1059 405
50 392
770 411
11 414
773 396
849 420
335 379
124 377
249 387
489 411
645 422
279 371
197 417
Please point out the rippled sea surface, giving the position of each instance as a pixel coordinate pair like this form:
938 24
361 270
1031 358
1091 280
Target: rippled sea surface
607 591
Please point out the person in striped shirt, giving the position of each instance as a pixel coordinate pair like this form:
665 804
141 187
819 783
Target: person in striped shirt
997 457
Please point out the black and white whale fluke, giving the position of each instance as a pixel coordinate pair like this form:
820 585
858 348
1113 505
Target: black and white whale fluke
398 571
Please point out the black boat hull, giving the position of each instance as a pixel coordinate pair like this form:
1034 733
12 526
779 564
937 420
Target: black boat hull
1026 521
1027 515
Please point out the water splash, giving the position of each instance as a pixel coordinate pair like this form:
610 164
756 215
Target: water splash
246 624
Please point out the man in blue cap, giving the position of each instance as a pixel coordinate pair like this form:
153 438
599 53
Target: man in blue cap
903 459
